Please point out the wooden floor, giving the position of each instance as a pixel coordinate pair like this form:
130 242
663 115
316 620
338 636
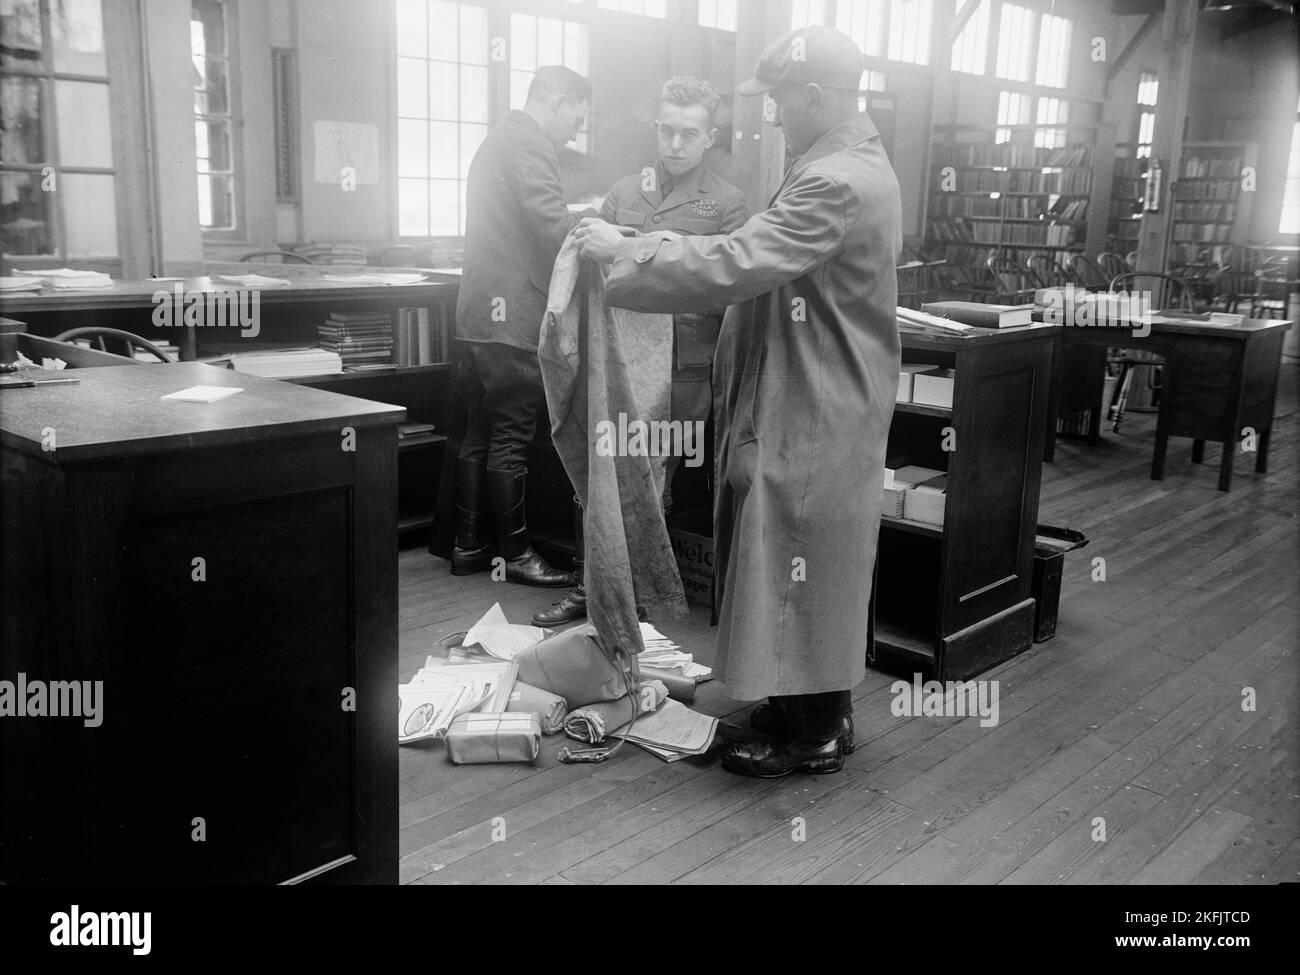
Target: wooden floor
1133 715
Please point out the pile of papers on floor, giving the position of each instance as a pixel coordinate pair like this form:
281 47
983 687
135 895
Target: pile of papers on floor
474 700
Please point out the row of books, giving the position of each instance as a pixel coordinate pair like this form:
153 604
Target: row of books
1226 190
1203 233
1201 167
925 384
419 341
1007 154
1222 212
362 340
1045 234
1015 207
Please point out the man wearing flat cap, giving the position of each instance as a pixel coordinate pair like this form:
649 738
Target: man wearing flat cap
804 383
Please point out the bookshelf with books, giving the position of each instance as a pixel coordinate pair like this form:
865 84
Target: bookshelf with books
1207 205
1128 186
1017 199
955 598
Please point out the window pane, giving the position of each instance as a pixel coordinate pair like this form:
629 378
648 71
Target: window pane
211 97
90 214
471 137
216 202
412 88
473 94
444 90
207 27
443 31
1015 42
1053 52
20 24
444 152
909 31
412 148
26 215
77 29
411 28
212 144
523 42
473 34
575 47
519 82
84 135
413 207
864 21
21 106
550 40
444 206
970 51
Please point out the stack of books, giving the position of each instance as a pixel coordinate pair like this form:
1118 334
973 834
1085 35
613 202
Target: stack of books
287 363
362 341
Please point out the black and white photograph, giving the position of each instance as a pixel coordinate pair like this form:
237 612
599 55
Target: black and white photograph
648 442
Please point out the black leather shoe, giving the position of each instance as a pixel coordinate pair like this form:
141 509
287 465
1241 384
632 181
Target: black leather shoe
767 721
572 607
530 569
774 760
467 561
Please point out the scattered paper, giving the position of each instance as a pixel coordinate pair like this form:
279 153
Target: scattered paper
674 727
203 394
501 638
51 362
252 280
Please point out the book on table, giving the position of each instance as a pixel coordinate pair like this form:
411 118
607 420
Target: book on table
981 315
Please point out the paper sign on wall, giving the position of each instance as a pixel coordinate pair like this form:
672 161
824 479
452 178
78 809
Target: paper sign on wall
347 151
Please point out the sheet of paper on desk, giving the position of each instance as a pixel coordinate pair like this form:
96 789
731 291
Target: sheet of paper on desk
203 394
501 638
252 280
369 280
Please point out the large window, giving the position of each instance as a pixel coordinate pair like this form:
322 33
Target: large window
864 21
442 111
57 179
1015 43
718 14
1013 109
1148 91
1290 222
647 8
213 118
1053 52
909 31
970 51
1051 110
808 13
536 41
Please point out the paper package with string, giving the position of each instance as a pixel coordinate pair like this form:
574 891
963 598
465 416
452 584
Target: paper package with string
592 723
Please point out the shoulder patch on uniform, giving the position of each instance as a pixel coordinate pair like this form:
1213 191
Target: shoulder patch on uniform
706 208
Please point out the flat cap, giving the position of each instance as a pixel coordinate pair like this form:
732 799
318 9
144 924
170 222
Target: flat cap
810 55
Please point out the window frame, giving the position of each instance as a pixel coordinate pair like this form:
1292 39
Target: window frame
238 233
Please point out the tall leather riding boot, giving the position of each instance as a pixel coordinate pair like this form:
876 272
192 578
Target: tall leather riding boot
474 547
574 604
506 492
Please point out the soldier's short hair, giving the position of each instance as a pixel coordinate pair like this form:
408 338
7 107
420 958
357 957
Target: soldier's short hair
686 91
554 79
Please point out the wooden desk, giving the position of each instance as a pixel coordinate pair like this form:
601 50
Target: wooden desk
223 689
1218 379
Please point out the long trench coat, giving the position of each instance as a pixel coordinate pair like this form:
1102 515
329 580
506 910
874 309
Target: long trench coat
804 384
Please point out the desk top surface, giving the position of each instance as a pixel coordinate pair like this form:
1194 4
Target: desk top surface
118 411
1241 331
300 287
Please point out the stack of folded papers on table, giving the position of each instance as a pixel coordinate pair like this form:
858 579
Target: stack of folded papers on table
68 279
27 283
288 363
379 278
252 281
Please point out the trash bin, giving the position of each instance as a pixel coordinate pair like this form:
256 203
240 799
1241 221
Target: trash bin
1050 546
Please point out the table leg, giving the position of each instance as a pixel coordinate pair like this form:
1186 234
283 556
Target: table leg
1162 445
1261 456
1198 451
1225 465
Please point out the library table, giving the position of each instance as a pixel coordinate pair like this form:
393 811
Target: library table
229 572
1218 380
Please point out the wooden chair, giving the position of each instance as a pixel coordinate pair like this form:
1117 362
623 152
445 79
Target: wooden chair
1166 292
1046 271
100 337
266 257
1087 274
1112 264
1013 284
1274 289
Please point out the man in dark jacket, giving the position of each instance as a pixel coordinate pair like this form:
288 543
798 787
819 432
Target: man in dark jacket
516 221
679 193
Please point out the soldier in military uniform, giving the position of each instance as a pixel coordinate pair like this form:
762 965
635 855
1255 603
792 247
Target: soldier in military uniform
682 194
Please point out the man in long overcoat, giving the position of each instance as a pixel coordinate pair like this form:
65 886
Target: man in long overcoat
804 384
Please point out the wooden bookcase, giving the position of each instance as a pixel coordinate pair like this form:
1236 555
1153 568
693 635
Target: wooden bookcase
1207 206
956 600
1015 198
1127 187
